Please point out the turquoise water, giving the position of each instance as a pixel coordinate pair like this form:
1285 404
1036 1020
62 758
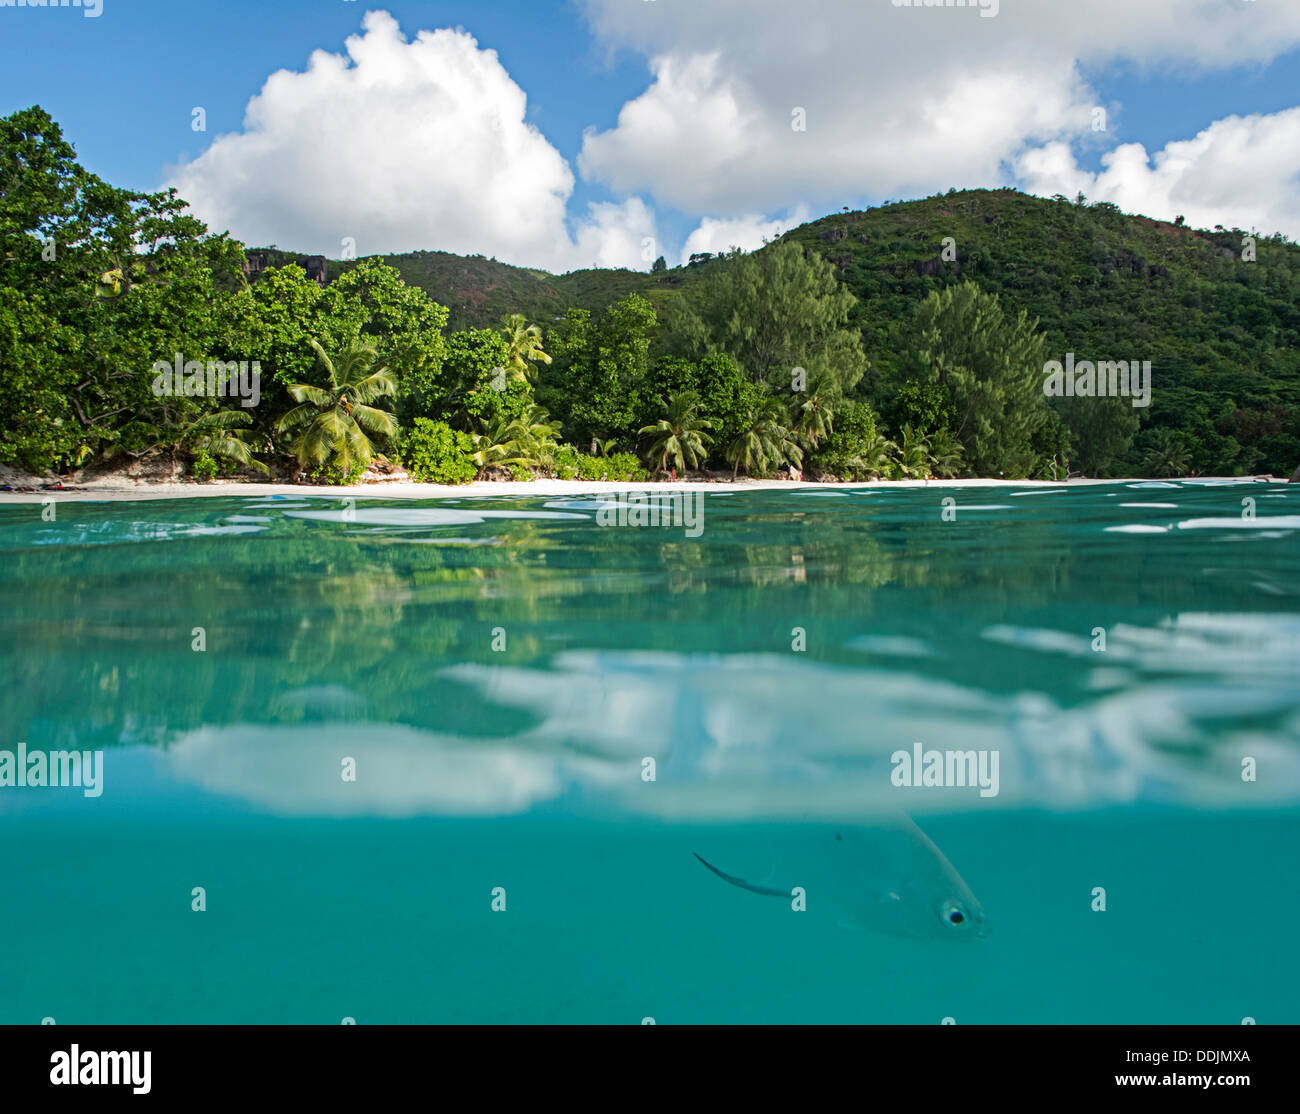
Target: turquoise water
500 680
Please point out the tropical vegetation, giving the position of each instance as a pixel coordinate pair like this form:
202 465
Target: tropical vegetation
908 341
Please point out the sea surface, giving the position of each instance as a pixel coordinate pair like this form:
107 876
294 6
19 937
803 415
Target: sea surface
453 760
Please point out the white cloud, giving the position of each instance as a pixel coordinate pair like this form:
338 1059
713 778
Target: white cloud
1241 172
404 145
425 143
617 235
899 101
747 233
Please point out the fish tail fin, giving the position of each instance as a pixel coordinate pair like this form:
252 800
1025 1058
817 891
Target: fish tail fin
750 886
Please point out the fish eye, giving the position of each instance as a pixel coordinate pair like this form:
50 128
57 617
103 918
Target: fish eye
954 914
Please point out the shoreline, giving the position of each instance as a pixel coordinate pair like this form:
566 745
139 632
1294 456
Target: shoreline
118 490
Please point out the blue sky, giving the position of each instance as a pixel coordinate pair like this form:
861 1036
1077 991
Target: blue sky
123 87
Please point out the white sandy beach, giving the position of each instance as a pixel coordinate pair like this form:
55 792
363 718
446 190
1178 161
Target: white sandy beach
123 489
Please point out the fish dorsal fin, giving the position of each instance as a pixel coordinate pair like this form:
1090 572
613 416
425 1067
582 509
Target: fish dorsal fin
753 887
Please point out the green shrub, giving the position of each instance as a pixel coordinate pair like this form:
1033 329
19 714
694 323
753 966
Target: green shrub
334 475
203 468
854 449
621 467
566 463
433 452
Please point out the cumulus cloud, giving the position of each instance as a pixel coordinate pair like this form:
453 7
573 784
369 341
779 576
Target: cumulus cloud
1241 172
751 107
748 232
403 145
897 101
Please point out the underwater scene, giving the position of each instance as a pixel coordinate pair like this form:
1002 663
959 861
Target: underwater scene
983 755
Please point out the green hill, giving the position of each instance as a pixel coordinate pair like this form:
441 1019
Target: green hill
1222 332
1102 284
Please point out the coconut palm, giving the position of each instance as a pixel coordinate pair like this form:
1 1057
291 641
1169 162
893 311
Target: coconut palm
913 455
1168 455
220 434
497 443
523 442
222 437
814 416
332 422
946 454
525 347
764 440
678 434
874 458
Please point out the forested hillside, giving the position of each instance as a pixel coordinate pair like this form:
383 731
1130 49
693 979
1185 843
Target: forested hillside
1222 330
907 341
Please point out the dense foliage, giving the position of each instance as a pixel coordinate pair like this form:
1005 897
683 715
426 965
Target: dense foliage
906 341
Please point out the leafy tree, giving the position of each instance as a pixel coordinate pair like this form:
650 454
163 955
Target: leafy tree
946 454
726 395
780 309
925 405
276 320
96 285
600 368
406 324
1101 430
990 366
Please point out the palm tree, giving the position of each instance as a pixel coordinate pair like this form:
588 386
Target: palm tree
946 454
913 458
1168 455
679 434
220 436
813 416
783 445
497 443
875 457
525 347
523 442
335 419
765 439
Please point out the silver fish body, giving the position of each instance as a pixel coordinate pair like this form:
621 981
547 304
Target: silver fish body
888 877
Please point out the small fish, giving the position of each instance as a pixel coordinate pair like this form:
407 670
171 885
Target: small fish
889 878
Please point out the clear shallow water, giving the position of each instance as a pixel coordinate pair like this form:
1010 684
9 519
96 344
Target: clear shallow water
368 632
